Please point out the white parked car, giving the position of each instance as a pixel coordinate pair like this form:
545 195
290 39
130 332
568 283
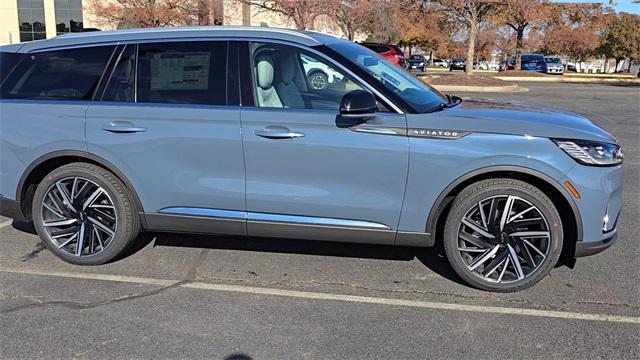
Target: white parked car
319 75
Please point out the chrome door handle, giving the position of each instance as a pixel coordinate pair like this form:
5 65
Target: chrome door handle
122 127
277 132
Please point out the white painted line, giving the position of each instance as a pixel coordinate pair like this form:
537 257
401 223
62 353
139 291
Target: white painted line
6 223
339 297
88 276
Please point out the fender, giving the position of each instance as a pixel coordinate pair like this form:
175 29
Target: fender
434 213
89 156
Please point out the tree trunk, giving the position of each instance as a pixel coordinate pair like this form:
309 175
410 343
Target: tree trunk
431 57
519 37
606 65
629 66
473 33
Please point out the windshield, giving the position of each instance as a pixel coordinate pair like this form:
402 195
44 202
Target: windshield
553 60
414 92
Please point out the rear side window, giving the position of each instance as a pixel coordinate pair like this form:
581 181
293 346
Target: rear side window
7 62
71 74
183 73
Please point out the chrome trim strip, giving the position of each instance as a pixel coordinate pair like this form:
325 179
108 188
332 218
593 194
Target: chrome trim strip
273 218
214 213
315 221
379 130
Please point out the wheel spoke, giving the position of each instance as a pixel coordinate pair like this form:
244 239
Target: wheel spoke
54 211
59 204
495 263
73 188
92 198
527 243
504 269
506 211
98 212
477 228
65 197
98 237
527 255
80 243
482 259
516 216
516 262
493 214
64 232
475 241
59 222
101 226
68 241
482 216
530 234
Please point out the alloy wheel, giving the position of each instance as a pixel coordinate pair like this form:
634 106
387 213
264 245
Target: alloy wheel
503 239
318 81
79 216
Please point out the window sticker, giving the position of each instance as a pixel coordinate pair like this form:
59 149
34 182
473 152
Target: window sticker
180 71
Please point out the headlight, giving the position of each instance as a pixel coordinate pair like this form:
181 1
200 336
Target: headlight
591 152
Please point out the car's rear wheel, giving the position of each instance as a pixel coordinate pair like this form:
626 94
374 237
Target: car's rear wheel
503 235
84 214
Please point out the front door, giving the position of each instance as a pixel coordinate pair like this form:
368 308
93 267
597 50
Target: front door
166 126
309 173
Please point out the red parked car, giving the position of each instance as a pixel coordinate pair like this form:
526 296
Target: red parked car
391 52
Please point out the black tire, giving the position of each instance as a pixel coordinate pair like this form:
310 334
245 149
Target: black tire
495 188
127 222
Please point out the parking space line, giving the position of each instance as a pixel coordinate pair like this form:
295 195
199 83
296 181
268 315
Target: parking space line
6 223
568 315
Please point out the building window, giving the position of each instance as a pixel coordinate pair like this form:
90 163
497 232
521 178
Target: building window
31 19
68 16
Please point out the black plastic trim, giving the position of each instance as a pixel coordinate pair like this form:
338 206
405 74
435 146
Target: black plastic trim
11 209
588 248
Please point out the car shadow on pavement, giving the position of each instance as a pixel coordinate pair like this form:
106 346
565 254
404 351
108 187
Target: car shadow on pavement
433 258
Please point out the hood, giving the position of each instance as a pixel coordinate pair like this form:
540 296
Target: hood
517 118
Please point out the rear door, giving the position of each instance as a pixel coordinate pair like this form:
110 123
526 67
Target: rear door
163 120
310 173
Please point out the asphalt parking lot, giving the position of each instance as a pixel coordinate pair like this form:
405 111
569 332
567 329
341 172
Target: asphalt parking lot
183 296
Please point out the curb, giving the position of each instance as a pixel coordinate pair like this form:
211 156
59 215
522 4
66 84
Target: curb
454 88
568 79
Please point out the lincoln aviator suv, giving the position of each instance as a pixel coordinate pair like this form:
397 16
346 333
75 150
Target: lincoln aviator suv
221 130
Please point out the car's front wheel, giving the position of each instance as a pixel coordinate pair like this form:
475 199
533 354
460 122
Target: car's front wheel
503 235
84 214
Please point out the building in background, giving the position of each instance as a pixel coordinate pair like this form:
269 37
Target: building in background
27 20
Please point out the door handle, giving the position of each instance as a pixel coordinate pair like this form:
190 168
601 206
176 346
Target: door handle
122 127
277 132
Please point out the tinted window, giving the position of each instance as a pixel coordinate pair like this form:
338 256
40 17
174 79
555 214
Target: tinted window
122 82
69 74
289 77
183 73
7 62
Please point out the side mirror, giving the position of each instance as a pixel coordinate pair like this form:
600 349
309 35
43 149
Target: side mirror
358 104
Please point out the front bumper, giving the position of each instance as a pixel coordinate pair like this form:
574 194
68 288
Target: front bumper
587 248
599 206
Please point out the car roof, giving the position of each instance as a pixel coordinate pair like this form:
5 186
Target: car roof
307 38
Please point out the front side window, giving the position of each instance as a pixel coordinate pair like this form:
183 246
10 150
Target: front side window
414 92
71 74
183 73
292 78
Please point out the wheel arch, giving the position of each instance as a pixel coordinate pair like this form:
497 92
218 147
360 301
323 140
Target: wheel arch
43 165
561 198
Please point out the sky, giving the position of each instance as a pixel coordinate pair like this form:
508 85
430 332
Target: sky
621 5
